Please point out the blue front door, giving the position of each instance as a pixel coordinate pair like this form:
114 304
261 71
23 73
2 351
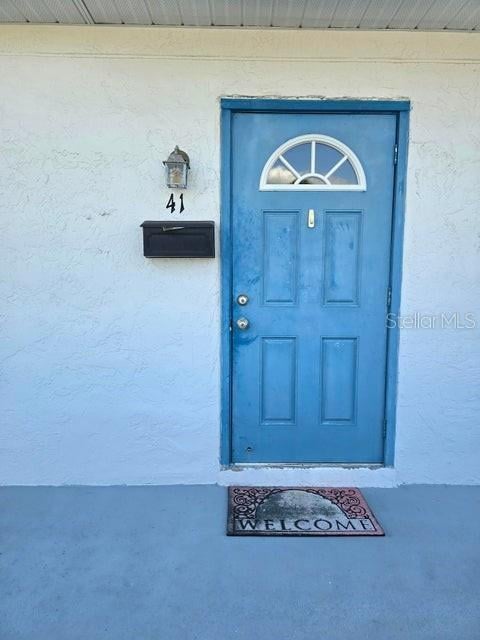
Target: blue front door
312 198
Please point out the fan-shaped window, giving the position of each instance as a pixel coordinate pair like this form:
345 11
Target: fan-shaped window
313 162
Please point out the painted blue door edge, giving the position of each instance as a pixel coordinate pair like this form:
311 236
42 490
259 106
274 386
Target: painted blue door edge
334 106
231 105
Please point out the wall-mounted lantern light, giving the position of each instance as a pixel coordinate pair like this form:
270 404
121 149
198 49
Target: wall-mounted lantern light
176 169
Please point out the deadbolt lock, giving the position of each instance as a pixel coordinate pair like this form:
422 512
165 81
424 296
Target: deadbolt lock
242 299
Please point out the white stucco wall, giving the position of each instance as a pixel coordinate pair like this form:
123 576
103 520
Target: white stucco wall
111 361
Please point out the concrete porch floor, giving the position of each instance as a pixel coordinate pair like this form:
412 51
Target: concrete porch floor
153 563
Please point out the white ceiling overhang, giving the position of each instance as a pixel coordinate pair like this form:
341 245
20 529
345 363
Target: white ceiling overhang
436 15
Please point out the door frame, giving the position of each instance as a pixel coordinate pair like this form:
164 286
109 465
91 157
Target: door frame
230 106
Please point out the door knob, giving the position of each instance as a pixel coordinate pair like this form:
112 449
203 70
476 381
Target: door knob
243 323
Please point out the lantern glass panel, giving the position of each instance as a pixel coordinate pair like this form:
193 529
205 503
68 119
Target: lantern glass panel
176 175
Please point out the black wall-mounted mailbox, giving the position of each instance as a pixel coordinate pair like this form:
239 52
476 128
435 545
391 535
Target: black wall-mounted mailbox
178 239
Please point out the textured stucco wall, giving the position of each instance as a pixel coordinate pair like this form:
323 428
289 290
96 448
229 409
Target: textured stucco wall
111 361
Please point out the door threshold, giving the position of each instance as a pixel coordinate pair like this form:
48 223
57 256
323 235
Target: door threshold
302 465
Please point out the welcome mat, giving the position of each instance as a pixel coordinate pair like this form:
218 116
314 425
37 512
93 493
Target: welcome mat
299 511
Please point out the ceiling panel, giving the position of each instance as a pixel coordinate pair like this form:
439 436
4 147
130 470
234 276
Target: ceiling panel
319 13
119 11
287 13
257 13
195 12
410 13
164 11
103 11
132 11
440 14
35 10
64 11
467 18
10 13
227 13
347 14
379 13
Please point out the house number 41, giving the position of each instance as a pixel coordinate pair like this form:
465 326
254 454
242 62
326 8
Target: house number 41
172 205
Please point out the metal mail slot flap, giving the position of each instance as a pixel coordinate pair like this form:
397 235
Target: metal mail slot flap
179 239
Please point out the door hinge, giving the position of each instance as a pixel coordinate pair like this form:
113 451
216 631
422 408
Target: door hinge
395 154
385 428
389 297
